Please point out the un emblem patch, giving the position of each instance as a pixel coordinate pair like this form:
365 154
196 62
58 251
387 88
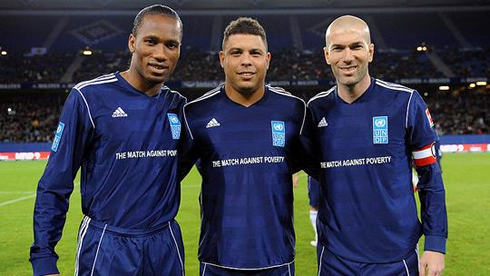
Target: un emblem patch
380 130
57 137
174 125
278 133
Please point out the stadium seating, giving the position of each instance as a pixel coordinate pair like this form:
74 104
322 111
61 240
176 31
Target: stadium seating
48 47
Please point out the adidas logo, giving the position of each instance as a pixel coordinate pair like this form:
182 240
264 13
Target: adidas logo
213 123
119 113
323 123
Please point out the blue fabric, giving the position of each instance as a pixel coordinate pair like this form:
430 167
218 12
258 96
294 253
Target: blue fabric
367 210
313 192
122 140
114 251
210 270
330 264
246 160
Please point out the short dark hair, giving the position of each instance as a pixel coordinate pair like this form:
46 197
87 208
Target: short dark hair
156 9
244 25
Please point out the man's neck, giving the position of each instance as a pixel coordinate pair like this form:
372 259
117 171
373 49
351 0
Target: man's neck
140 84
245 99
351 93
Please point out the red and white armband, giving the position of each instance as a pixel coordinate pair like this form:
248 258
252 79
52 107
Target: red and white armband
425 156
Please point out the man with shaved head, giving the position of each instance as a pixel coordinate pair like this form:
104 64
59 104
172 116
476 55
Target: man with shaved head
369 134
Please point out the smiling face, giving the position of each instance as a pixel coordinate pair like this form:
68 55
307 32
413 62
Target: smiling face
245 61
349 51
155 51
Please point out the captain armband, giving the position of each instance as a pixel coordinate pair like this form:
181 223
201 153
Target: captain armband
425 156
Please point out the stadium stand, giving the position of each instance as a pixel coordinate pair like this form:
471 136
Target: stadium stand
44 61
30 117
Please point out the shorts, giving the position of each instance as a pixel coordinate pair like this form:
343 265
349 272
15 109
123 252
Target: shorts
207 269
108 250
334 265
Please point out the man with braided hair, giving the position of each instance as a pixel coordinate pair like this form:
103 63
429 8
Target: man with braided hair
123 130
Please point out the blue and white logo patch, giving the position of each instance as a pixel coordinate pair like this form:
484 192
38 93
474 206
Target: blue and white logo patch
174 125
57 137
380 130
278 133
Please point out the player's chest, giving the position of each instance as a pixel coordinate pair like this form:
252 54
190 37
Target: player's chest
367 125
133 121
239 131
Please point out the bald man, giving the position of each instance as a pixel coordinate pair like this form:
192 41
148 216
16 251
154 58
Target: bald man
369 134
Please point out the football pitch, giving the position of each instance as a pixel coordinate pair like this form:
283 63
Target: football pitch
466 176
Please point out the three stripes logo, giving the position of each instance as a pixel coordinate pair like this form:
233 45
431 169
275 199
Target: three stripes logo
323 122
119 112
213 123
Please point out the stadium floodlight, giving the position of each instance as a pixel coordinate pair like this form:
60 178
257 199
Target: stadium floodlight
87 52
481 83
422 48
443 88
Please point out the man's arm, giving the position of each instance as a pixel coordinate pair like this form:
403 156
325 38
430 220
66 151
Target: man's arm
309 147
187 152
431 191
56 184
434 219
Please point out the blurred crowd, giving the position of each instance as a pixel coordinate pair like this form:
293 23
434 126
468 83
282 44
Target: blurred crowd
461 112
16 68
198 65
33 118
29 118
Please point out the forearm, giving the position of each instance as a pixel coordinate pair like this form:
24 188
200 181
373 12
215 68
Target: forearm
433 208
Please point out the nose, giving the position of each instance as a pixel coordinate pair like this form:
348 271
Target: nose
160 53
246 61
348 55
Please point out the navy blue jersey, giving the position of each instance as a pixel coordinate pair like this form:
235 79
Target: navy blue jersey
367 209
126 144
247 158
313 191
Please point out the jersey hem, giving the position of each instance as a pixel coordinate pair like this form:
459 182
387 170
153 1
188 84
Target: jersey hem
397 258
241 268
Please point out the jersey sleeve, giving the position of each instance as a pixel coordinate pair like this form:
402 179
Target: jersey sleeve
56 184
187 151
422 142
309 150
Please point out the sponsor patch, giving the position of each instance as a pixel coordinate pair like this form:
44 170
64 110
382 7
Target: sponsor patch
57 137
429 118
175 125
380 130
278 133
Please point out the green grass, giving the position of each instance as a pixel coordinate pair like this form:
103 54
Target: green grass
466 178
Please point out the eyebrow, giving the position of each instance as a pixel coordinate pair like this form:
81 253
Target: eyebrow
151 36
356 43
242 50
156 37
350 45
